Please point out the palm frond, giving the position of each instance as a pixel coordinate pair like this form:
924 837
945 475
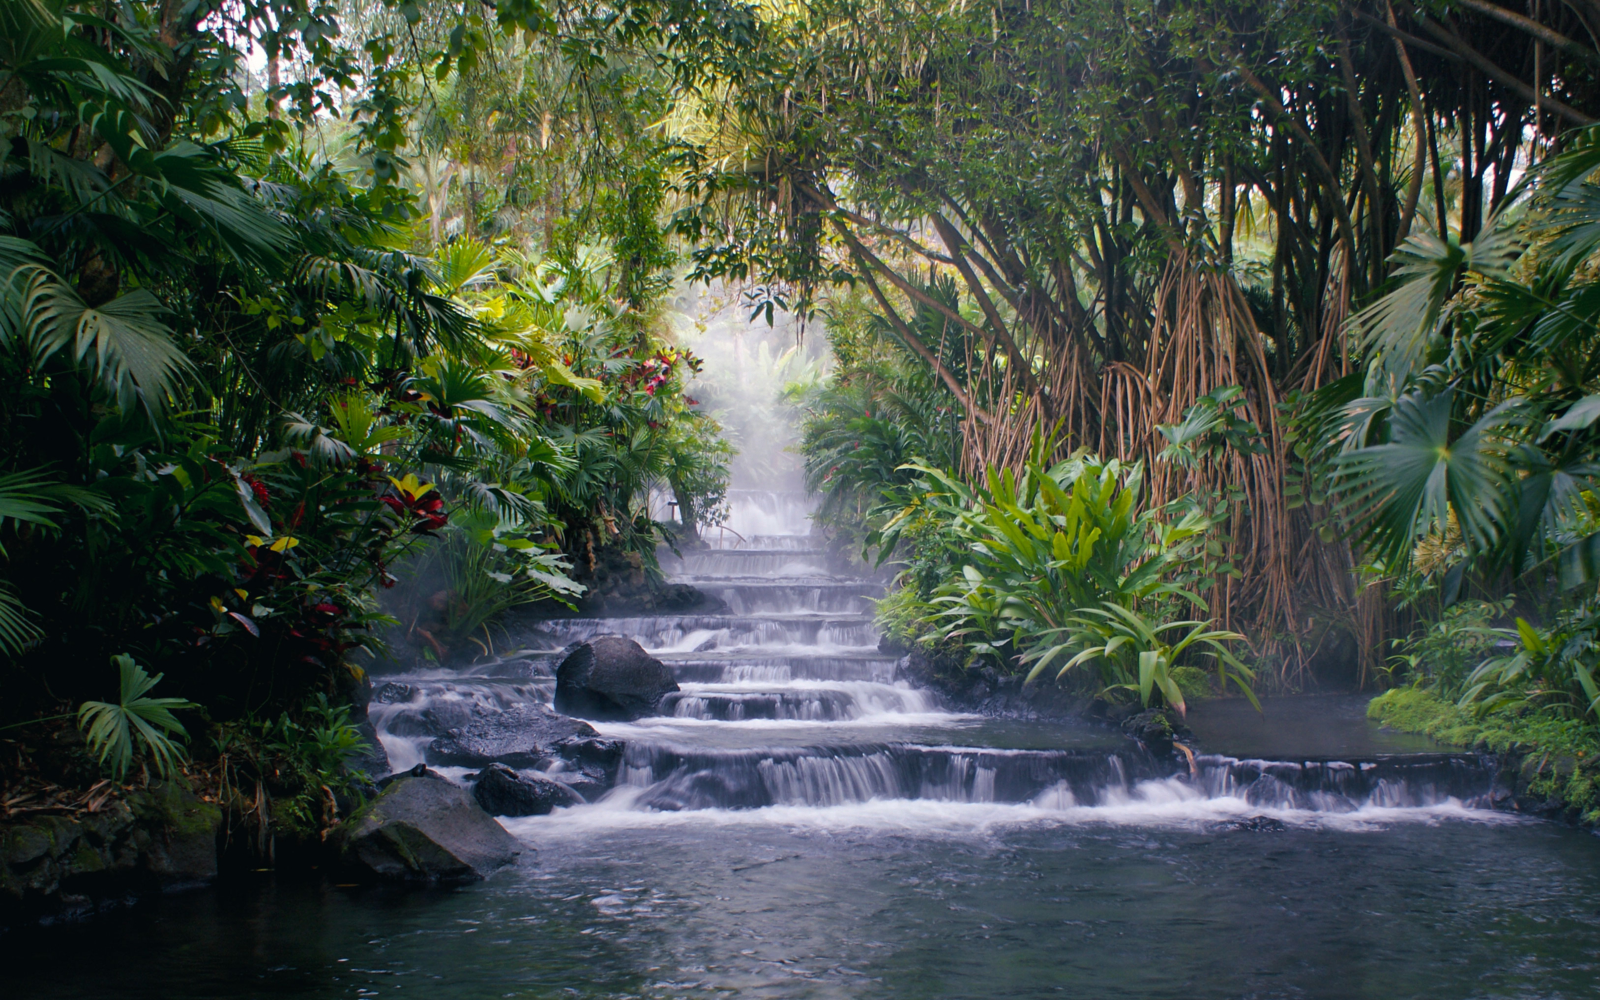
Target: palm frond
17 632
1407 487
124 341
135 721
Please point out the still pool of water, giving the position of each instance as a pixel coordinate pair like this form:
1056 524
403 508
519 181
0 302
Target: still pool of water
1328 725
897 900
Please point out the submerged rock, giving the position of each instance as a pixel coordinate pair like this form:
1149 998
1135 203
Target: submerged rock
1256 824
522 736
503 792
611 677
424 830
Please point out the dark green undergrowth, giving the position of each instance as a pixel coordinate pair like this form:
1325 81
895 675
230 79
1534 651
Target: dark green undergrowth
1563 753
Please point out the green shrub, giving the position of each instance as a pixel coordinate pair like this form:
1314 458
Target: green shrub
1059 565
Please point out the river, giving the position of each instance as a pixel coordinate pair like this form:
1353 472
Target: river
796 824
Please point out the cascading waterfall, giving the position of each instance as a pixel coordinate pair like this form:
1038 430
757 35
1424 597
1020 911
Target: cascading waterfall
787 701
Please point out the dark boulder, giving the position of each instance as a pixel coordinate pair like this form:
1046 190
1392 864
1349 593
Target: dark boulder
424 830
521 736
611 677
503 792
588 766
1156 730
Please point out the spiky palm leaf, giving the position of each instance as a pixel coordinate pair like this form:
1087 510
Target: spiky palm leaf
135 721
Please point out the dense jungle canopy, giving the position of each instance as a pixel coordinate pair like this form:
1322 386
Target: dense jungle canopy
309 306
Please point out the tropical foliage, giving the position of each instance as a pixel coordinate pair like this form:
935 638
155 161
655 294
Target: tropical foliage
1059 571
1142 205
135 719
321 324
259 425
1468 454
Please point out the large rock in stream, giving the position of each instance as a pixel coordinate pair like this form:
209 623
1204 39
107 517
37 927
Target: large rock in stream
522 736
503 792
612 678
424 829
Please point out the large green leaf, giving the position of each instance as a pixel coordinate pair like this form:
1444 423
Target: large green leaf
135 721
124 341
1399 331
1408 487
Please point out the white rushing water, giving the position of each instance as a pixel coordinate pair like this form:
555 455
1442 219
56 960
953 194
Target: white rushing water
788 713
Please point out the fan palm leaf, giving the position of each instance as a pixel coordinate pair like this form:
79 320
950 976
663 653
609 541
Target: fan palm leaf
1407 487
124 341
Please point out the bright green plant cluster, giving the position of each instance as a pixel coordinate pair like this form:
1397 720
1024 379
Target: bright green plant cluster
1057 571
290 770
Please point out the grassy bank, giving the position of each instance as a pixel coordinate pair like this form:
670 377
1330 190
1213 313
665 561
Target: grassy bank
1560 757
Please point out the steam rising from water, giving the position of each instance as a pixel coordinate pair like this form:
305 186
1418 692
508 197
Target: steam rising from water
748 366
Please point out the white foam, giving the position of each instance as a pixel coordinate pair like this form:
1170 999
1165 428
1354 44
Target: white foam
1157 804
656 726
405 752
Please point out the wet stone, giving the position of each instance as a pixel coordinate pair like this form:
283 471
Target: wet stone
394 693
423 829
504 792
521 736
588 766
611 677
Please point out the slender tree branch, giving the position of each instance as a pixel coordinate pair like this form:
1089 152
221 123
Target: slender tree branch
1543 33
1419 161
911 339
1147 199
1393 31
1335 196
1478 61
954 243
